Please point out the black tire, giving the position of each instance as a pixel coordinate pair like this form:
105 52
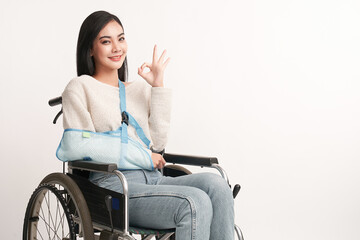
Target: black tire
48 216
76 202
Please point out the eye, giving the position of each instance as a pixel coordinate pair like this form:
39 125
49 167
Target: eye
105 42
121 39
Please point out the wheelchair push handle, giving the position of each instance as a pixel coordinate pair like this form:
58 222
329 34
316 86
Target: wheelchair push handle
53 102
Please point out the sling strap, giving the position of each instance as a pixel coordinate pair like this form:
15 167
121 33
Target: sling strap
127 119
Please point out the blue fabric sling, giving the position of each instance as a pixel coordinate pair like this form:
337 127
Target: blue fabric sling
108 147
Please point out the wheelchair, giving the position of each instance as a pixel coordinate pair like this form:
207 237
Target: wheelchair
67 206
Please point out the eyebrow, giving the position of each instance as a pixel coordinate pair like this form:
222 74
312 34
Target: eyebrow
110 37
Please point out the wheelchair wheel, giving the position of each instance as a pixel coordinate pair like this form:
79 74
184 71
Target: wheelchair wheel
76 203
48 216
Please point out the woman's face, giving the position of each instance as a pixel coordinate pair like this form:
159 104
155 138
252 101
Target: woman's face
109 48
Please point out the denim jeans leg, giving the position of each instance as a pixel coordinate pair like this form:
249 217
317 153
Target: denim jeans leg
188 209
222 226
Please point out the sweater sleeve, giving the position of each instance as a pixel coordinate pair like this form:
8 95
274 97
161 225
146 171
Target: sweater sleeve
75 113
159 119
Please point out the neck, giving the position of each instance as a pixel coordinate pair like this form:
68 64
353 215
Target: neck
109 77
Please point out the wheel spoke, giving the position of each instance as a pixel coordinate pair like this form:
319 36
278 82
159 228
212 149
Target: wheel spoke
61 216
56 214
51 229
67 201
61 223
39 233
48 206
43 218
48 225
49 213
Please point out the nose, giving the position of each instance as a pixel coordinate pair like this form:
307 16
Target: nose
116 47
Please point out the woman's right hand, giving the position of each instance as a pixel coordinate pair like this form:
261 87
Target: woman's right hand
155 77
158 160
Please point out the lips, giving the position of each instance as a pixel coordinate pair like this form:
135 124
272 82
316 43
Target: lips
115 58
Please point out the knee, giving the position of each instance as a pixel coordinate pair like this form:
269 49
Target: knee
217 187
197 205
195 215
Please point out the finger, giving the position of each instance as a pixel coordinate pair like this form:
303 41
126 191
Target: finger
141 69
154 54
140 72
162 56
166 62
156 164
146 64
163 162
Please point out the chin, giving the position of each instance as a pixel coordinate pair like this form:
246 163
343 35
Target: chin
118 64
115 66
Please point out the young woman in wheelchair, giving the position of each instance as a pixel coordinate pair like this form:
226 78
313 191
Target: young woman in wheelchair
199 206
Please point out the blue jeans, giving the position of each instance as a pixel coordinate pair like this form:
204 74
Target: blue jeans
200 206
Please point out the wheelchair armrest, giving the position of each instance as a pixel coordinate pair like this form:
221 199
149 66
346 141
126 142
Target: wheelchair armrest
92 166
190 160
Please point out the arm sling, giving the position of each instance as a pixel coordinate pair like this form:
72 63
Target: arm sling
108 147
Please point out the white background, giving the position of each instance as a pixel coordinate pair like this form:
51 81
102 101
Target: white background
269 87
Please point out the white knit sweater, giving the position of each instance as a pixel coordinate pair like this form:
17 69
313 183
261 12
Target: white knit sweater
89 104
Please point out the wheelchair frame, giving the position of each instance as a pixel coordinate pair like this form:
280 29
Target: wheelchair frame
83 203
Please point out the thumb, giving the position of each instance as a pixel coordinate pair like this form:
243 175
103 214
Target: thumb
140 72
142 68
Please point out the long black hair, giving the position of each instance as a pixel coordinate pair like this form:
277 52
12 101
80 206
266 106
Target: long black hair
89 30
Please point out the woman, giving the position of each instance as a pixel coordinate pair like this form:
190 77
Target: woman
199 206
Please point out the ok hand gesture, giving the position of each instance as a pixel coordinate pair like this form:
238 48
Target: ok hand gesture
155 77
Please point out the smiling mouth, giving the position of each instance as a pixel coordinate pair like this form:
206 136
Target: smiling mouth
115 58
